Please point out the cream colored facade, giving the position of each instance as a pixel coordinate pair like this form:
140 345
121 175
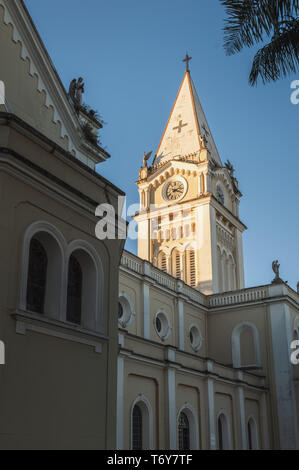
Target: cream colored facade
58 384
194 342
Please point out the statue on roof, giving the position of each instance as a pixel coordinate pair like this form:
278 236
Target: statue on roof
146 157
276 267
76 91
230 168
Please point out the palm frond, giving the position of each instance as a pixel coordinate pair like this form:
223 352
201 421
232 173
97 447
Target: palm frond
248 21
280 57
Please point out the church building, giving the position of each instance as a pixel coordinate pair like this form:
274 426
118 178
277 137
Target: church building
204 363
105 349
59 283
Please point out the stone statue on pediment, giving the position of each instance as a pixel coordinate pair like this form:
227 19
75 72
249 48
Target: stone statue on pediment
276 267
76 91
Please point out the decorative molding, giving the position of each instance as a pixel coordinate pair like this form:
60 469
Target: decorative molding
28 322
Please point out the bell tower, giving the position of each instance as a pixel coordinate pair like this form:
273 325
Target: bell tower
188 222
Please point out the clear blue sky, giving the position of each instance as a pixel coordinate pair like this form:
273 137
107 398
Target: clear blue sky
130 52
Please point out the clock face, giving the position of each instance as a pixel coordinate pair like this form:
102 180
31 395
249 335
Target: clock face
175 190
220 195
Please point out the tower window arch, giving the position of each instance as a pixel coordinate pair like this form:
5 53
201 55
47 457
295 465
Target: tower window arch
176 264
191 267
37 277
162 261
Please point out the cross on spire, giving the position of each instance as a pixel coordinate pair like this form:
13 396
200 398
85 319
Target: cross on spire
187 60
180 126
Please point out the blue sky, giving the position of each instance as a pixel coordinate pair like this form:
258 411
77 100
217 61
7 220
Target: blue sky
130 55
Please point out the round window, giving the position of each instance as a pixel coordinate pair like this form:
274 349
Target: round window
162 325
158 325
125 312
195 337
120 311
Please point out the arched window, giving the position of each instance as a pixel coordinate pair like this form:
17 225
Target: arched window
85 286
141 424
43 261
162 261
37 277
252 434
176 264
191 267
232 273
223 432
74 291
184 432
220 272
137 428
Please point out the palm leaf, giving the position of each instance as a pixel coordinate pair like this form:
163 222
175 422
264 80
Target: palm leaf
249 20
280 57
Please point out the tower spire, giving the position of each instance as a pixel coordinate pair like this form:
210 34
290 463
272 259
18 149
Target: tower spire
187 60
187 131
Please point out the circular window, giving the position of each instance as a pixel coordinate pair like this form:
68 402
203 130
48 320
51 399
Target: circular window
158 325
125 312
120 311
195 337
162 325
